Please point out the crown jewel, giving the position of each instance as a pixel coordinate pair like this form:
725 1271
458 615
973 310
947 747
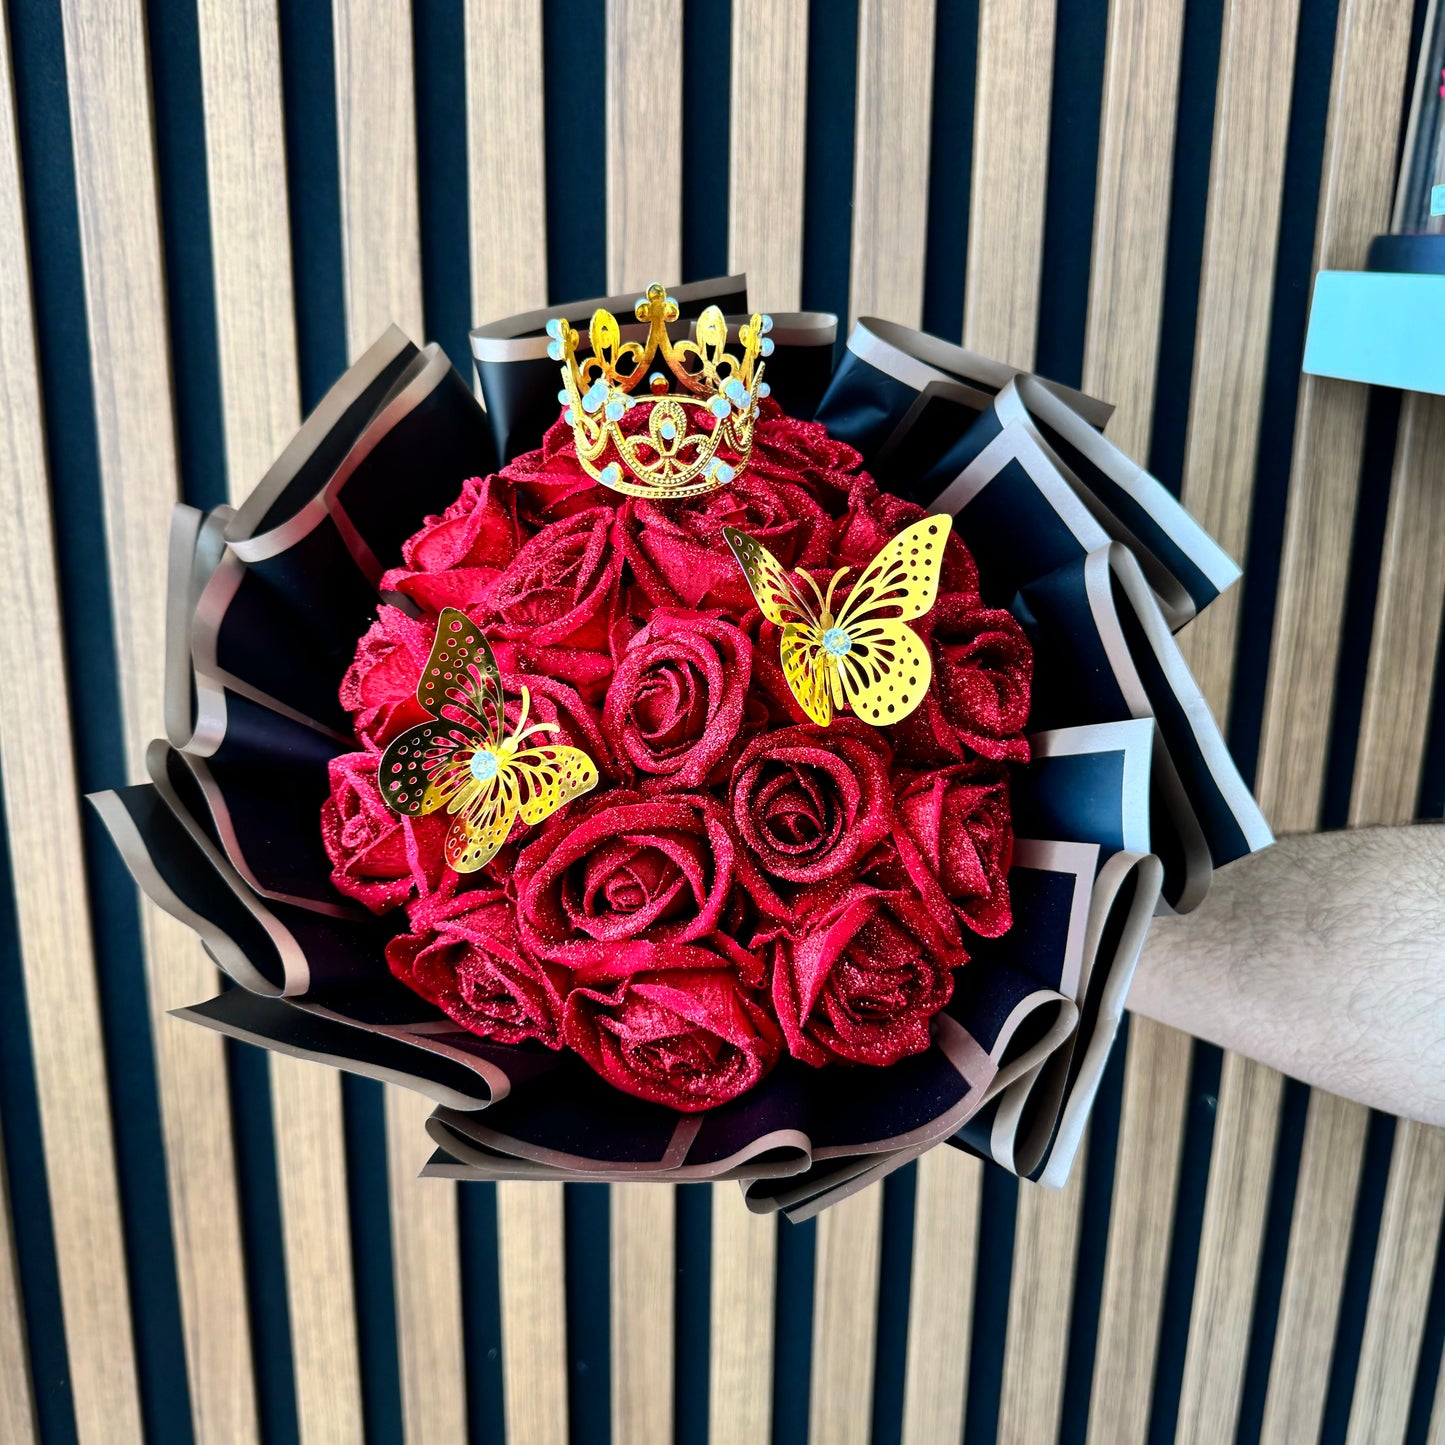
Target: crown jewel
694 440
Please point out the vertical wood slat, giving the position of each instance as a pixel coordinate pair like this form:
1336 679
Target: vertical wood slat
48 873
1226 399
1041 1296
1372 37
1370 67
506 164
508 221
1331 1159
17 1408
940 1311
890 159
1390 754
890 217
642 1275
116 192
644 244
845 1305
765 240
381 249
1399 1287
1126 291
1010 178
530 1225
1001 310
740 1339
1241 1169
644 144
260 389
765 175
1387 778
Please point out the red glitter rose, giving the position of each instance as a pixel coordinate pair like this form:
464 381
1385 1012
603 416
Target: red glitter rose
956 824
860 974
378 857
982 676
675 703
563 588
456 557
809 802
463 955
685 546
671 1024
627 868
379 688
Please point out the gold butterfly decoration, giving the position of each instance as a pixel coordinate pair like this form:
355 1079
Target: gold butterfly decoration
863 656
465 760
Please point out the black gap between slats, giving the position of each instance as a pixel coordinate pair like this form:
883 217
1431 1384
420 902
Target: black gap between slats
1184 1243
368 1206
314 196
481 1311
1273 1254
439 47
1188 197
36 1273
1431 802
707 36
890 1346
1080 37
174 46
691 1329
1304 159
950 166
313 191
1382 425
1103 1145
793 1331
1360 1265
828 159
998 1219
574 79
439 44
587 1211
63 342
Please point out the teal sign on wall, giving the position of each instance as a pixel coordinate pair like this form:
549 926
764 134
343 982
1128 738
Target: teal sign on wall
1380 327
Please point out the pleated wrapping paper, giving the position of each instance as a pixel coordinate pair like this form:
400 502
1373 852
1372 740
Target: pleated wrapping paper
1127 804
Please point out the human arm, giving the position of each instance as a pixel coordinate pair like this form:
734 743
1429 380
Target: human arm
1324 957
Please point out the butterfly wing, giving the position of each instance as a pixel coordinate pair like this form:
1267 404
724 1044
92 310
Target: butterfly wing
484 817
461 676
886 671
780 601
425 767
902 580
805 665
547 777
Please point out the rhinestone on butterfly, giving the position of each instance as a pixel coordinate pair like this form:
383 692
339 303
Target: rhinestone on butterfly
693 440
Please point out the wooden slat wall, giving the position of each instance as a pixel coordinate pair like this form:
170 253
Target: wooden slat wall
115 176
381 250
1371 66
889 265
240 63
57 957
890 205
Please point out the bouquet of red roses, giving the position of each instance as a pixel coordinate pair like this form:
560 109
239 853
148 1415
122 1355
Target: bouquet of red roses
690 804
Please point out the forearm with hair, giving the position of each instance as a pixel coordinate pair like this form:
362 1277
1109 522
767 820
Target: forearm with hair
1324 957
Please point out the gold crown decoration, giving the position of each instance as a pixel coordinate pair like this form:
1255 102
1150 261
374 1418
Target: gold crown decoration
672 456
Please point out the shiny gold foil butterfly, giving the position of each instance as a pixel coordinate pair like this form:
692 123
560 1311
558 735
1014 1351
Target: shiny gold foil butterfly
863 656
465 760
